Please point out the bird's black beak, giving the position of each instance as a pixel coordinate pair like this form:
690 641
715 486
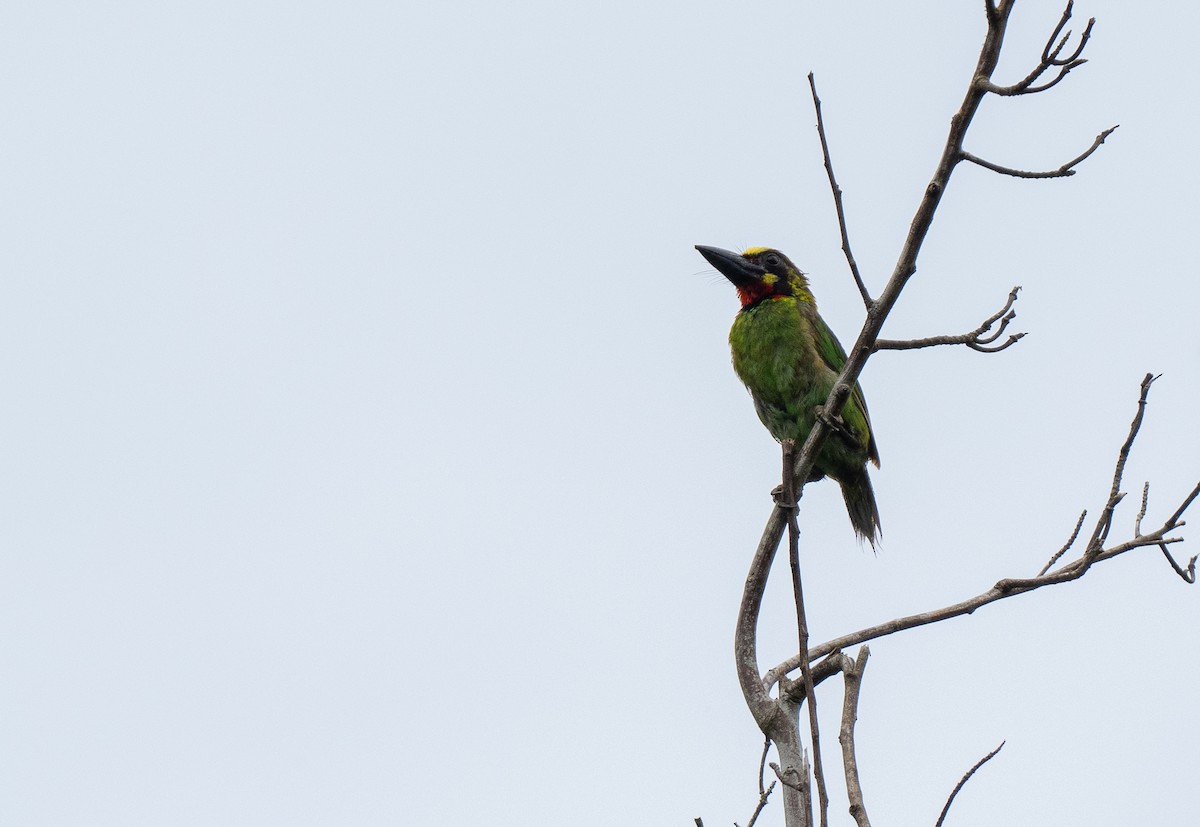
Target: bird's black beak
731 265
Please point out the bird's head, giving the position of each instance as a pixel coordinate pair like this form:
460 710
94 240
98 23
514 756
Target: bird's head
759 273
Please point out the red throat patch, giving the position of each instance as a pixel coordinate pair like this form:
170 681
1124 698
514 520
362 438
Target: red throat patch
754 292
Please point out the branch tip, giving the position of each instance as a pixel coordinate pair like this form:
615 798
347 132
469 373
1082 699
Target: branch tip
1188 575
976 339
839 207
1064 171
962 781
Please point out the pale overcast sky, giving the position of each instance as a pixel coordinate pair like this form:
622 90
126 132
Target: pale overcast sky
372 453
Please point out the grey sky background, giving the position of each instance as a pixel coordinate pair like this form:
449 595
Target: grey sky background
372 453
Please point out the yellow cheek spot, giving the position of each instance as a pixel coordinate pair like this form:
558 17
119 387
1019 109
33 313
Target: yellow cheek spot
770 278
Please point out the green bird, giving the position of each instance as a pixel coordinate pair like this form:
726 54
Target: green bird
789 359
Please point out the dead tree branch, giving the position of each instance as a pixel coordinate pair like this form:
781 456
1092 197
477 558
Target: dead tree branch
1051 58
906 264
762 802
1100 532
853 672
764 792
1137 523
762 766
976 339
1063 171
1093 553
775 718
789 496
767 713
778 717
837 197
962 781
1189 576
1070 542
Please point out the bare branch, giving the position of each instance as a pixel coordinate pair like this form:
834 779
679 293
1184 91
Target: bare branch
789 495
1093 553
762 765
762 802
962 781
837 197
767 714
1070 542
1137 523
1063 171
853 670
827 667
1100 533
975 339
793 769
1051 57
1189 576
1173 521
777 717
906 263
1002 589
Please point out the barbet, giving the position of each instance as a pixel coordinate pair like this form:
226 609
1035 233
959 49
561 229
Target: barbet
789 359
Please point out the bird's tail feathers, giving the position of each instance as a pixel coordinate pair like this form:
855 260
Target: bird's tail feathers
860 505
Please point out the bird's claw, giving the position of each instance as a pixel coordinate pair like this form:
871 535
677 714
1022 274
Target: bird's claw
777 494
833 423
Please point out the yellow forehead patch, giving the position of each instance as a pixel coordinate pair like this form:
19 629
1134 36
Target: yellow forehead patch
754 251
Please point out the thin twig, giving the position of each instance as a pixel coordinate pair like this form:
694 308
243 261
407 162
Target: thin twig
962 781
1137 523
975 339
1093 553
1001 590
789 494
1104 523
762 765
1063 171
1173 520
1070 542
1050 58
762 802
1006 588
1189 576
837 197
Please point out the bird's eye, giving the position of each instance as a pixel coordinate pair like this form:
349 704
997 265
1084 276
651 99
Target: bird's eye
770 260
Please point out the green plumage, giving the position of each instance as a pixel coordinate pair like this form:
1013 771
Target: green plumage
789 359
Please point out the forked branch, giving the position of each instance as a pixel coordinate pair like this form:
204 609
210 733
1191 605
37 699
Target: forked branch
1094 552
1052 58
777 716
980 339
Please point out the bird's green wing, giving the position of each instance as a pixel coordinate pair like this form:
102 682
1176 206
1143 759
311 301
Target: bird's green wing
855 413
